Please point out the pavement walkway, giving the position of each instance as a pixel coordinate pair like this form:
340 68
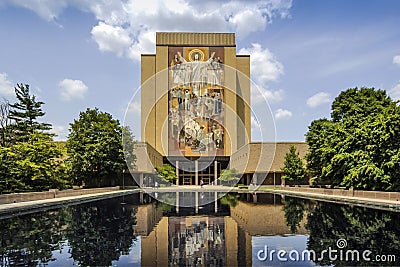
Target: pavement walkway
12 209
361 201
190 188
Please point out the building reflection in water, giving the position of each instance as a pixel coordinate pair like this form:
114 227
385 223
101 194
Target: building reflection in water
209 235
196 240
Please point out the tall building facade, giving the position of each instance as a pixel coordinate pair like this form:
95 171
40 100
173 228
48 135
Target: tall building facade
195 102
196 113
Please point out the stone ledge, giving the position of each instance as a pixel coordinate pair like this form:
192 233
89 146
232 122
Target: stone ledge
385 204
52 193
21 208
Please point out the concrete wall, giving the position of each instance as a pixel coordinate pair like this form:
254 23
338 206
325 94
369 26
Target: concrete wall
264 157
161 129
31 196
393 196
147 157
243 105
148 99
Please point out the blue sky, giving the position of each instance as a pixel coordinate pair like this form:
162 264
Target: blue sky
78 54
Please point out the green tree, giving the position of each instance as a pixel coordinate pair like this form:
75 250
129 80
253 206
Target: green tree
359 147
229 176
32 166
94 147
353 105
25 113
5 122
128 144
320 149
293 166
167 172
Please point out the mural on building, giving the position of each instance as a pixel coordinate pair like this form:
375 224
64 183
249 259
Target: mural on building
197 241
196 96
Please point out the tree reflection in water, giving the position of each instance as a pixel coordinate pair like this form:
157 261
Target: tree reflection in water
30 240
293 209
97 233
230 200
362 228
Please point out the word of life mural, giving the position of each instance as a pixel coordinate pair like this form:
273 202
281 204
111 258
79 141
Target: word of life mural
196 113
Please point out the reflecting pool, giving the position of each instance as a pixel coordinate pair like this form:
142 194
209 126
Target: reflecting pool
260 229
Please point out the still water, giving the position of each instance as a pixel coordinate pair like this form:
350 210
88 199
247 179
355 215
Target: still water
236 230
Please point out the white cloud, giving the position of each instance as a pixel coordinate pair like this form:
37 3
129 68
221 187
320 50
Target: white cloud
264 66
47 9
111 38
318 99
6 86
134 108
395 92
60 131
255 124
124 26
145 44
396 60
281 114
251 16
260 94
256 129
248 21
72 89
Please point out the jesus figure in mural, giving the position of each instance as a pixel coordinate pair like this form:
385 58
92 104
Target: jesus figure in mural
197 67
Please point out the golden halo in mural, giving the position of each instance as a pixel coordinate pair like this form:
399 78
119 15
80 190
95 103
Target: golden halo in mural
196 51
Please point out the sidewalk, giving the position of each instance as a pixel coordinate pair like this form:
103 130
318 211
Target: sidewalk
368 202
12 209
189 188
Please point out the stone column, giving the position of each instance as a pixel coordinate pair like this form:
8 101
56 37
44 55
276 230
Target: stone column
254 180
215 202
215 172
197 201
196 173
177 172
141 179
177 202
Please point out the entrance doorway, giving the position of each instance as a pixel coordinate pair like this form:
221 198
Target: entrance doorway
206 169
